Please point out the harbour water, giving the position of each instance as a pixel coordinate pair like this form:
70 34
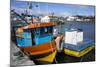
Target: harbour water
87 27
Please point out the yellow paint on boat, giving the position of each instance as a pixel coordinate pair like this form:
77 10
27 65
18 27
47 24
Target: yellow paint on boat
78 54
20 30
50 58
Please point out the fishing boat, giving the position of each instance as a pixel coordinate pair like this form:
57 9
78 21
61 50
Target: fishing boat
36 40
75 44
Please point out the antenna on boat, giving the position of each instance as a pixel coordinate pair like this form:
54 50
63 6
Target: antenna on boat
38 8
47 9
30 9
52 14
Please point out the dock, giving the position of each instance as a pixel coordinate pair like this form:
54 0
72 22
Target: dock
18 58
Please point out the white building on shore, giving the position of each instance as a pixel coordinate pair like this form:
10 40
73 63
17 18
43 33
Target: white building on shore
71 18
45 19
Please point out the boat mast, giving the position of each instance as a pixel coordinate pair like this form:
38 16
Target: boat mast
52 14
30 9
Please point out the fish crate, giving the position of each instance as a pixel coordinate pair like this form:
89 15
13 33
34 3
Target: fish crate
73 36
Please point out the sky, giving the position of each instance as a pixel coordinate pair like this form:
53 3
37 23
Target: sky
57 9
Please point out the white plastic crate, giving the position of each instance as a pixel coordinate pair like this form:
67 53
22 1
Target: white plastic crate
73 37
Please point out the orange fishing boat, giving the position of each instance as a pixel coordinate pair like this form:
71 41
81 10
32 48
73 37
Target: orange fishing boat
36 40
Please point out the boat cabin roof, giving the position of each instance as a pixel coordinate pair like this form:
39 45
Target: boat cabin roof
37 25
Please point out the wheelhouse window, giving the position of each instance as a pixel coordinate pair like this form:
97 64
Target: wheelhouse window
46 30
42 30
36 31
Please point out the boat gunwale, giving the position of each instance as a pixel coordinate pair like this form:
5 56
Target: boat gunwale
32 50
